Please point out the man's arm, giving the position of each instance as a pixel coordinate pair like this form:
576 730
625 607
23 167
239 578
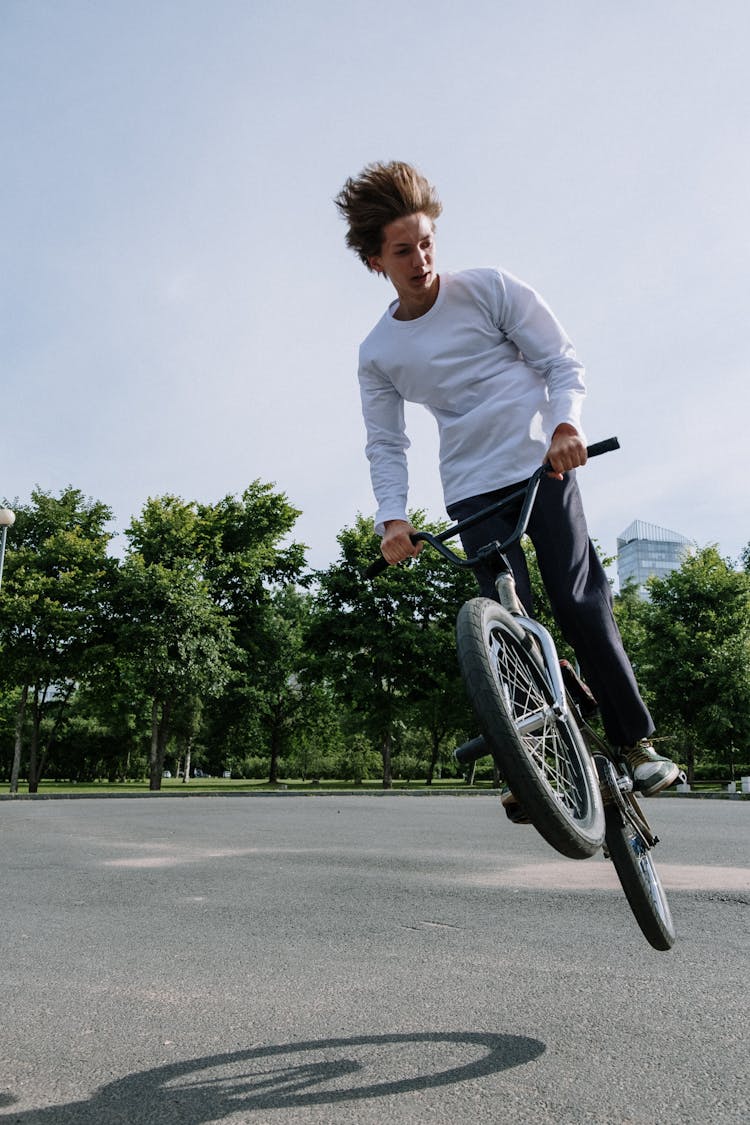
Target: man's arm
546 348
383 413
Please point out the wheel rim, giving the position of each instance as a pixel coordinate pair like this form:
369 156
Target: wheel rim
649 878
546 741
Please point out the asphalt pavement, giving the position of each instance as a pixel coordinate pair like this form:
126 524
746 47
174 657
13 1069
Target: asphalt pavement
366 959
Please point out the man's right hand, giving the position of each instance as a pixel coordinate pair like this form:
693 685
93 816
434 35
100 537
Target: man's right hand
395 546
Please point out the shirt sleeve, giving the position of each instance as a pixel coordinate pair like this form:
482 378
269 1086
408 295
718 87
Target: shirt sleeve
527 320
383 412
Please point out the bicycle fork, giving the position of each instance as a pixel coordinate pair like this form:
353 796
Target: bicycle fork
544 649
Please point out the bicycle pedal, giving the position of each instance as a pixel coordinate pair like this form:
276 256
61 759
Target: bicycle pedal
624 783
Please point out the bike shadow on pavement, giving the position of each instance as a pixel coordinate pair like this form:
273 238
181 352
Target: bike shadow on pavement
289 1076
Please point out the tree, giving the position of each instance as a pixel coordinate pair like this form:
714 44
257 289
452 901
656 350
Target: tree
317 742
695 655
176 641
175 638
386 646
248 565
51 621
439 711
630 610
198 589
284 705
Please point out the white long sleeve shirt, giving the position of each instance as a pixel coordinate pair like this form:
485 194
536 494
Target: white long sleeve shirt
495 369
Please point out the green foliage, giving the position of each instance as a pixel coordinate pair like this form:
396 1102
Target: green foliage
145 648
386 646
201 579
690 643
357 761
57 572
174 640
210 643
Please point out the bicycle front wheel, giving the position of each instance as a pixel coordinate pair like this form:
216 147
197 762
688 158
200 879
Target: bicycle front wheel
540 754
639 879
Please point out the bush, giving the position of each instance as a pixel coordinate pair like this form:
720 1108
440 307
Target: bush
358 762
720 771
253 767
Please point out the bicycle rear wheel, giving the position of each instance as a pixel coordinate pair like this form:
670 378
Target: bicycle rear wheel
540 754
640 880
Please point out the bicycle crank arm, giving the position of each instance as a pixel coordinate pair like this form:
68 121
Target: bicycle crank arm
615 792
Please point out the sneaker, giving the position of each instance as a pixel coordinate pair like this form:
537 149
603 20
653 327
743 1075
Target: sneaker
514 810
651 772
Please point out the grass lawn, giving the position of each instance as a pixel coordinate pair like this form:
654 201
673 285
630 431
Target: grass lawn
229 786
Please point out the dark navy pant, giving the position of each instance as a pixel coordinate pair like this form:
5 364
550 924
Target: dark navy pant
578 590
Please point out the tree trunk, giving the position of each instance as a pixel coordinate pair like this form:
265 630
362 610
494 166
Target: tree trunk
277 741
166 715
159 737
18 743
153 760
434 755
273 771
386 745
36 721
41 763
188 755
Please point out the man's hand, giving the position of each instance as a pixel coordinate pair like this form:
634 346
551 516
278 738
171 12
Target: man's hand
567 450
395 546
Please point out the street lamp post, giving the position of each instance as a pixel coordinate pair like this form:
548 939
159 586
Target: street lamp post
7 519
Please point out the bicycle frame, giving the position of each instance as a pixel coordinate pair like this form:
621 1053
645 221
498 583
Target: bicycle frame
493 553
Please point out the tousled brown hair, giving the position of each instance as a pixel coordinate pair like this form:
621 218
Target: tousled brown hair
377 196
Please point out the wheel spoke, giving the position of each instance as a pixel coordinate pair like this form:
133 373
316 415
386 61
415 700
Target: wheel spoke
633 861
535 721
539 752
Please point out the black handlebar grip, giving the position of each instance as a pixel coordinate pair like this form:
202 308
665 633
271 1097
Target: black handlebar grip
376 568
606 446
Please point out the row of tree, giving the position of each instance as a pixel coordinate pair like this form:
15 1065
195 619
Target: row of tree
210 643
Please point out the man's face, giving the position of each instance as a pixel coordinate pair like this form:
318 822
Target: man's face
407 256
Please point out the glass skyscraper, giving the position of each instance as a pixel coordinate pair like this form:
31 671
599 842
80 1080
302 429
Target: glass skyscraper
646 551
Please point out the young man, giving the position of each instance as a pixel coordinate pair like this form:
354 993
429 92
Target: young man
484 354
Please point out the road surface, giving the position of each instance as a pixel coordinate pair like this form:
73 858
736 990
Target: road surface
363 959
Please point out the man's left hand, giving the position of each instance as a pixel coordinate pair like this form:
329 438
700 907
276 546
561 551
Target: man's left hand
567 451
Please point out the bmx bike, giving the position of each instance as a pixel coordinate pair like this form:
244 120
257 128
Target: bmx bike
571 784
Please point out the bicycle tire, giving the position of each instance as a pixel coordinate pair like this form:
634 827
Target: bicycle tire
639 879
541 756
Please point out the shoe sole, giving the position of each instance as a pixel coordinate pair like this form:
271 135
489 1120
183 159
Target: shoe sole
663 783
515 812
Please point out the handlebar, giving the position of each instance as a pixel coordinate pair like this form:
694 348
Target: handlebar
528 491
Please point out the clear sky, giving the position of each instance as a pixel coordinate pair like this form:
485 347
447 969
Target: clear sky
179 311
